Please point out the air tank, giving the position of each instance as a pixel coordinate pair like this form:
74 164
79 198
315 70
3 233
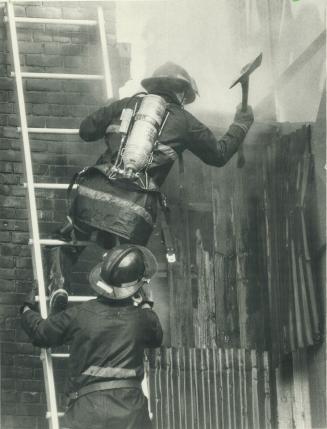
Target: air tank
140 142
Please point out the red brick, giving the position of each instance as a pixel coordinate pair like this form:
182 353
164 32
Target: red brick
61 39
10 396
30 385
20 237
10 249
77 13
26 361
7 285
6 83
9 408
30 397
41 109
31 409
10 132
11 298
31 48
5 237
9 179
19 373
63 123
20 10
3 96
10 155
43 85
19 422
8 311
23 274
12 322
7 262
59 110
36 97
12 202
7 335
43 60
4 190
6 108
24 263
13 225
7 359
24 35
3 121
6 167
43 12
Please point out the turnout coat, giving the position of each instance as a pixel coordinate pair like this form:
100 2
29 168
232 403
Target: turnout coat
127 210
107 342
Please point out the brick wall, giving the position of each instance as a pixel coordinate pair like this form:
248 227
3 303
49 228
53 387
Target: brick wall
49 103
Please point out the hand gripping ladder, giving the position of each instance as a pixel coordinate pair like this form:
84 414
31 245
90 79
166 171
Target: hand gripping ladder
35 240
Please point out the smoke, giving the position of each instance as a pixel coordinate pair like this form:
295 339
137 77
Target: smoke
214 39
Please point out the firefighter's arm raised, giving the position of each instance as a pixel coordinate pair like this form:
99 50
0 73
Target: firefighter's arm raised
53 331
202 142
93 127
152 331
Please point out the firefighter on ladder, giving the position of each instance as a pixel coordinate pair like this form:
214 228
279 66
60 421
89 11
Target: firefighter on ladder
107 338
117 198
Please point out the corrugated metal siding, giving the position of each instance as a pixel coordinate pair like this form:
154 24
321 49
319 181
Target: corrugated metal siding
209 388
292 295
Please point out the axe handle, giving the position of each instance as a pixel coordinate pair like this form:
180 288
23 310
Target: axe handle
245 94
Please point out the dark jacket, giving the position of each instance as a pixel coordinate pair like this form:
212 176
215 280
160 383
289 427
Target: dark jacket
107 340
131 213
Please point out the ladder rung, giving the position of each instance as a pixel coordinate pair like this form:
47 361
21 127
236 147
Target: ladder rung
60 76
51 185
51 242
81 298
51 130
60 355
48 415
73 298
56 21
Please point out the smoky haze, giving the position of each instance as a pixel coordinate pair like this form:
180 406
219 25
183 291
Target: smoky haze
214 39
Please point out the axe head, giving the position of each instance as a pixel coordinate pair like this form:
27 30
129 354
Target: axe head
247 70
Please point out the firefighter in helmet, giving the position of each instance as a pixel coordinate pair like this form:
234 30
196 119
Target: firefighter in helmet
117 198
107 338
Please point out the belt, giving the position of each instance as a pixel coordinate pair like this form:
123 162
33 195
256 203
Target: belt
104 385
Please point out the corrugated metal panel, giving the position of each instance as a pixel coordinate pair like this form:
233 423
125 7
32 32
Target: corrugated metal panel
292 295
209 388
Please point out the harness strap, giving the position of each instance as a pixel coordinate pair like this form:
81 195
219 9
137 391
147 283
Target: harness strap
104 385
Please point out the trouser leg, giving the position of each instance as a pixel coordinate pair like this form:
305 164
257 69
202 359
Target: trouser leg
60 260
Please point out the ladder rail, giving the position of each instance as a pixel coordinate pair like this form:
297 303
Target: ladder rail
59 21
52 414
33 220
105 56
44 130
69 76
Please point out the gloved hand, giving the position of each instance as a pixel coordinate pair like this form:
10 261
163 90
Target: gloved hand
144 296
30 300
244 119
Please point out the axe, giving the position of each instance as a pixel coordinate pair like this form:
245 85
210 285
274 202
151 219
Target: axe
243 79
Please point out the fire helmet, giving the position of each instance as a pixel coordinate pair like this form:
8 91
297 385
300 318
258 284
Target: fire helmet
123 271
171 76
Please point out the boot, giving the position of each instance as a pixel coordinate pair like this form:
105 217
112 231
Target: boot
59 279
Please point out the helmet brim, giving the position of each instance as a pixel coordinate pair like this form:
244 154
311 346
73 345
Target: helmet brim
123 292
168 83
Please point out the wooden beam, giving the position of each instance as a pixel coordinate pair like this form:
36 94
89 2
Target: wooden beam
296 66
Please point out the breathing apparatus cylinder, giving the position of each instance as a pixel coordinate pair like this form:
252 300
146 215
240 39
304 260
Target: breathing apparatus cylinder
140 142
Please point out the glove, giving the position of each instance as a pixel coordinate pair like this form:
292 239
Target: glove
30 301
144 296
244 119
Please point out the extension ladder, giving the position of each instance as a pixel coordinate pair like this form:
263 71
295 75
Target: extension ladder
35 241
